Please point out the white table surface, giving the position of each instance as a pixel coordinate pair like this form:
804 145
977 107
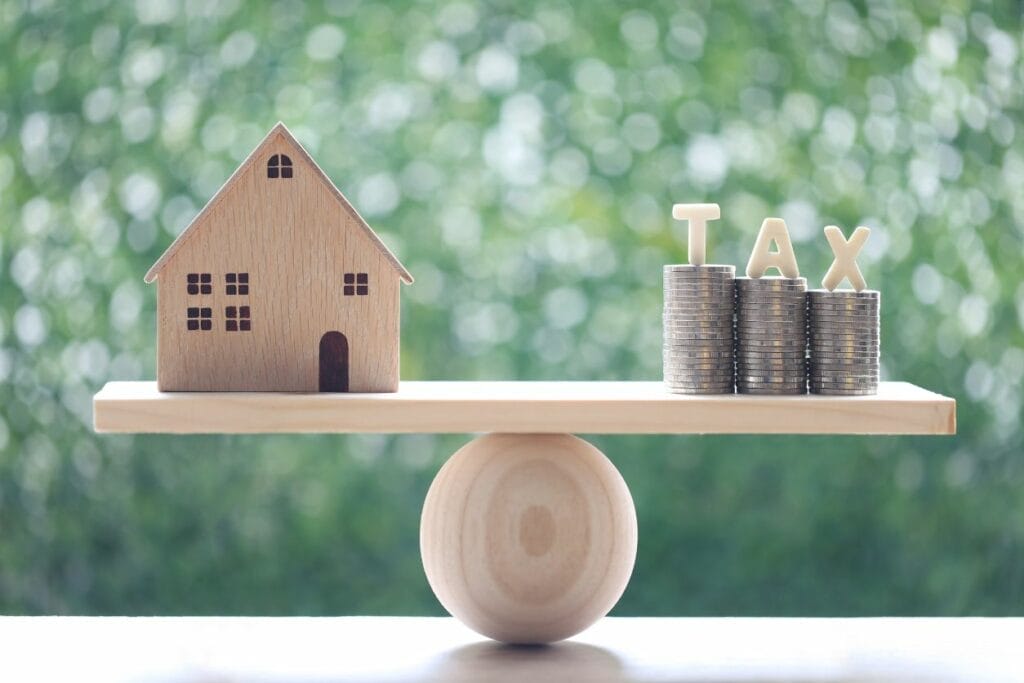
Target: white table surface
186 649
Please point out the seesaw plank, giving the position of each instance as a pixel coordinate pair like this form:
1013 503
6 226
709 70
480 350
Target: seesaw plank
521 407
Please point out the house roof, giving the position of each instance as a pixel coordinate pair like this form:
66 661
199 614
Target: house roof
279 130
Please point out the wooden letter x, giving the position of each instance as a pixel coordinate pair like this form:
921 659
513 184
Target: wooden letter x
845 263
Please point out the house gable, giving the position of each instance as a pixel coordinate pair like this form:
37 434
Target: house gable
279 133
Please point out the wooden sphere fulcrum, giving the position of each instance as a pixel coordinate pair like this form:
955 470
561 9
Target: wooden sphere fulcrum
528 538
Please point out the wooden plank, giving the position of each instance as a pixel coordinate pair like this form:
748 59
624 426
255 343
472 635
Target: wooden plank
433 650
521 407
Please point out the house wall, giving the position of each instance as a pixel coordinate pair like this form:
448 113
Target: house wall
296 241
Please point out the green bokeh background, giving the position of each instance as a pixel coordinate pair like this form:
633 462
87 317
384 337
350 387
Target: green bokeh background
521 158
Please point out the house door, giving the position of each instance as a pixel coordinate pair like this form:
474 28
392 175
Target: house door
333 362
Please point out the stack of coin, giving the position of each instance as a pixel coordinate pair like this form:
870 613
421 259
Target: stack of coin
771 335
698 328
844 341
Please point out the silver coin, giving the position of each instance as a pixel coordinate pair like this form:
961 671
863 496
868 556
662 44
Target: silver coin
702 268
696 327
840 339
841 332
688 370
703 392
710 389
843 374
832 392
682 320
843 352
771 281
796 316
707 340
703 374
824 361
697 354
710 385
789 364
782 344
715 386
696 305
844 331
768 324
795 297
711 364
707 319
685 371
771 392
697 378
818 312
769 389
865 339
843 306
743 304
842 323
695 276
826 389
771 313
844 361
844 343
748 332
698 343
697 375
770 377
842 382
844 391
789 371
772 389
843 295
749 347
675 365
694 293
830 383
678 337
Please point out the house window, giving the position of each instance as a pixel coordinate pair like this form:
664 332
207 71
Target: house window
237 284
200 319
357 283
279 166
200 283
237 319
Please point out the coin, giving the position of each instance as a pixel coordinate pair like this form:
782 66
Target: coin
702 267
844 293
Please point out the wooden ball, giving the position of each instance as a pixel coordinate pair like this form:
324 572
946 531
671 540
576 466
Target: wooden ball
528 538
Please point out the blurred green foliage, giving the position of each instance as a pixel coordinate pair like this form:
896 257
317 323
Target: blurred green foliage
522 159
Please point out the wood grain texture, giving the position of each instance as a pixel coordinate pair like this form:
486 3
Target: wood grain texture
523 407
296 238
528 538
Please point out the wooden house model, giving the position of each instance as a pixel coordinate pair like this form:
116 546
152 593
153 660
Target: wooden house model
278 285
